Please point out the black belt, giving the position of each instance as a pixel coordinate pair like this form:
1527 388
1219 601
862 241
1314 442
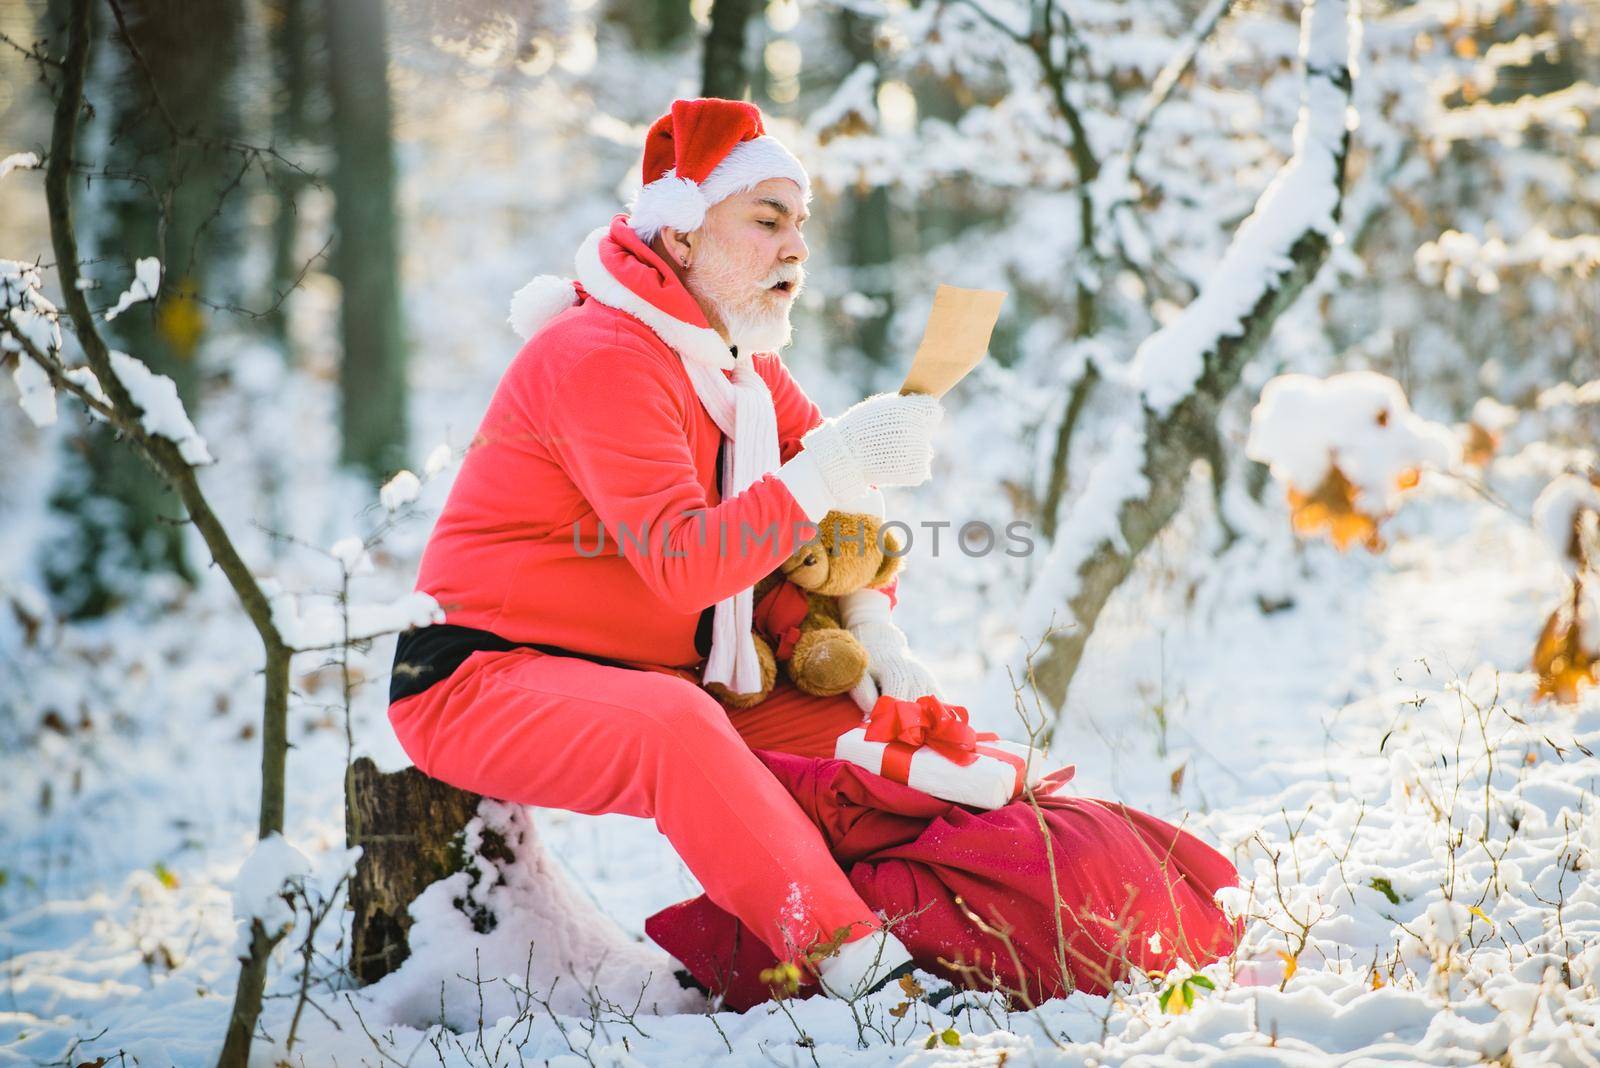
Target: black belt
424 655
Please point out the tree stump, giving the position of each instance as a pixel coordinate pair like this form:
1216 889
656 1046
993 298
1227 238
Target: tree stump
409 828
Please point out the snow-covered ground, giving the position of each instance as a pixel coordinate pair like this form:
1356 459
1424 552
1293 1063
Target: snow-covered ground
1418 838
1415 835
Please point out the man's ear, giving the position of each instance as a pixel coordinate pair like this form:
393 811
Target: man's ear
675 247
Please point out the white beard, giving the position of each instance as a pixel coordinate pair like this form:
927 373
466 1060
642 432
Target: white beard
768 332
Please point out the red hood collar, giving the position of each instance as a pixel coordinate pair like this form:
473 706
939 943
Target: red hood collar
620 271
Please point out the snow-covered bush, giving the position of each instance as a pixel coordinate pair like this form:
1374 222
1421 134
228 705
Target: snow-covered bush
1345 448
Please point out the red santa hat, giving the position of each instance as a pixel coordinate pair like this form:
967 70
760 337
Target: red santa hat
703 151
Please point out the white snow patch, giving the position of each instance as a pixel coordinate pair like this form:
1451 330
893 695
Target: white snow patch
320 623
440 458
352 555
146 284
1092 518
162 409
400 491
18 161
546 934
85 379
857 95
37 395
28 310
258 889
1562 510
1493 416
1359 420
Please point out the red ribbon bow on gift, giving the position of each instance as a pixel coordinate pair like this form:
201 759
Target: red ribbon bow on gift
927 721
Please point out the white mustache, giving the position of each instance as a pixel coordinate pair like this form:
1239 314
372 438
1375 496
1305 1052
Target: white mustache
791 273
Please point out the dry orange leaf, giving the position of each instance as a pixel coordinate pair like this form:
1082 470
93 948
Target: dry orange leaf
1331 506
1480 446
1290 964
1564 665
851 124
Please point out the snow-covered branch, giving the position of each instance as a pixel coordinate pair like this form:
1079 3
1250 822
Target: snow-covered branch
1179 65
1564 109
1457 258
1185 371
1302 201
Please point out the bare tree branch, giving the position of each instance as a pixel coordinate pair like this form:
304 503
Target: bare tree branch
150 80
31 53
280 296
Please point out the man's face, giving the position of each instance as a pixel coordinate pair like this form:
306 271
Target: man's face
746 266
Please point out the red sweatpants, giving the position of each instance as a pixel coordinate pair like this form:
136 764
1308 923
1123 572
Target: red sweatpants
561 732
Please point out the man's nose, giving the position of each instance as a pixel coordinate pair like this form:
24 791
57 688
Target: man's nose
794 249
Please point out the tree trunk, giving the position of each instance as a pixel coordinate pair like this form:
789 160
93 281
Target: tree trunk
724 72
408 827
292 43
372 378
869 247
653 25
165 114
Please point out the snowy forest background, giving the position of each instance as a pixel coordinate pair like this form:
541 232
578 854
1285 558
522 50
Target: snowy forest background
1353 651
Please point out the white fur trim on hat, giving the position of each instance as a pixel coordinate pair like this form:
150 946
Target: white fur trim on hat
682 204
698 343
541 300
669 201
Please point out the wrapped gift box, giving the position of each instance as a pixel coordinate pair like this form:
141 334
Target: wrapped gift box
994 779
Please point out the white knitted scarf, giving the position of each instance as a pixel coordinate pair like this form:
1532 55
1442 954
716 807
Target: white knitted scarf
743 410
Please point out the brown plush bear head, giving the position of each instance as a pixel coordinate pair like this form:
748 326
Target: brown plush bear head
849 553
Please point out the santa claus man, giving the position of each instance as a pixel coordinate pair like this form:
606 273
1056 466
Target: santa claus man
644 460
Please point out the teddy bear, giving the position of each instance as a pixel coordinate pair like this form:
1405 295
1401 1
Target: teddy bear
796 615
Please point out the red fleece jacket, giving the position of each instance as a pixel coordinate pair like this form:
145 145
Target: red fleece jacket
596 423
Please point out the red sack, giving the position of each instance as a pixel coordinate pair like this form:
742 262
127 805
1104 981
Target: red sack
1123 876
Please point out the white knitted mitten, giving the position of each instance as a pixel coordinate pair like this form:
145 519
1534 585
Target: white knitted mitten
891 668
885 440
